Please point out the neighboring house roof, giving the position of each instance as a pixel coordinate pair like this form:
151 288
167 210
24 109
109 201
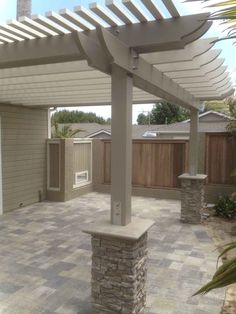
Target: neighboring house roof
91 130
185 127
217 115
88 129
102 131
210 121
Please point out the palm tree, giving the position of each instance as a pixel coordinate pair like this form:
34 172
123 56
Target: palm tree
226 13
65 131
23 8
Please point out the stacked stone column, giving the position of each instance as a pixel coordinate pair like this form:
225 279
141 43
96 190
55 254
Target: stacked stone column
119 267
192 197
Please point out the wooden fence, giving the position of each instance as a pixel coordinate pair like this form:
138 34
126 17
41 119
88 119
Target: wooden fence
220 158
155 163
158 163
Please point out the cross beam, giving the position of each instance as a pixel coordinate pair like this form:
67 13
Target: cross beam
145 76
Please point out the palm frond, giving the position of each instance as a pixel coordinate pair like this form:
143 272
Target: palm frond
225 274
222 4
227 13
228 247
224 279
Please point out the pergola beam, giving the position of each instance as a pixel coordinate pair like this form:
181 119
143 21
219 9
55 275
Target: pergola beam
46 50
145 76
163 35
188 53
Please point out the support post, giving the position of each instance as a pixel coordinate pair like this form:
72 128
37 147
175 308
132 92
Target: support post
193 143
121 146
192 183
119 259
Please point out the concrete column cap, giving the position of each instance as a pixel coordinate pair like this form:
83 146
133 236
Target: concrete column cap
133 231
190 177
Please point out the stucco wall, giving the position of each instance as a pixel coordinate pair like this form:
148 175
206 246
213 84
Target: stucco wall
24 132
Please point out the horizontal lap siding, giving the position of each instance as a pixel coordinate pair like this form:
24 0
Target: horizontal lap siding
24 134
220 159
155 163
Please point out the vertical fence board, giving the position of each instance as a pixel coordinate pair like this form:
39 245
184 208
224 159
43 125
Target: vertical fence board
220 158
155 163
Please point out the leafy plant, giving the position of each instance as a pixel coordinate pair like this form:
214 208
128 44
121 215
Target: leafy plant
65 132
225 274
226 207
164 113
231 127
227 13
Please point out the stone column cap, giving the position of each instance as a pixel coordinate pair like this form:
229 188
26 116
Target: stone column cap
133 231
190 177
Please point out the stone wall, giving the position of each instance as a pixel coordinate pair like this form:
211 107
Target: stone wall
118 275
192 199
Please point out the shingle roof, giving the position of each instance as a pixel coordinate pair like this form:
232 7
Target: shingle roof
218 125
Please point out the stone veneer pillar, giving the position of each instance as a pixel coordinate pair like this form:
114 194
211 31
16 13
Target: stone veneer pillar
192 197
119 256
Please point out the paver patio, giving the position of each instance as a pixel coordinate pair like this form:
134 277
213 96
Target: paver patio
46 259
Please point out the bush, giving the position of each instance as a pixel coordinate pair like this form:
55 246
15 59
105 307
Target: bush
226 207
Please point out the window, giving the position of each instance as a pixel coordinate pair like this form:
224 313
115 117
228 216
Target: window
81 178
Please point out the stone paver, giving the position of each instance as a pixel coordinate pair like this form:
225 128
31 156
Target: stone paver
46 259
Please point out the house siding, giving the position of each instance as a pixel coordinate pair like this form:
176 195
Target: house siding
24 133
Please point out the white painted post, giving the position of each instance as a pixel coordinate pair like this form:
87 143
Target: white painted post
49 124
121 146
193 143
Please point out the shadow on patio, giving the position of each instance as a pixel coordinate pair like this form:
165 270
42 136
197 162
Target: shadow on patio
46 259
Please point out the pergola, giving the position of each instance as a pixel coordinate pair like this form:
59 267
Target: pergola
118 54
104 56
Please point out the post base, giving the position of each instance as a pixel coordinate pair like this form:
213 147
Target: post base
119 268
192 197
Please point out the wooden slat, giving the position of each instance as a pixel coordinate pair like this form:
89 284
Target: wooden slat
220 158
155 163
151 6
134 9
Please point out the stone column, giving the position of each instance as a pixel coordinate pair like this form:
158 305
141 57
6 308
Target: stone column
119 267
192 197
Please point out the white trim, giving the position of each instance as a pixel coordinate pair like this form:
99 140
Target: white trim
84 182
56 141
210 112
1 195
82 140
49 124
99 132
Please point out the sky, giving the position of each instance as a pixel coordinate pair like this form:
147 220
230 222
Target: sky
8 11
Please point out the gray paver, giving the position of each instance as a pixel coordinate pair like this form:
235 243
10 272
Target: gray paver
46 259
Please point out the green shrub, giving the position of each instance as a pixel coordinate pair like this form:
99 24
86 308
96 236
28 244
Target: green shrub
226 207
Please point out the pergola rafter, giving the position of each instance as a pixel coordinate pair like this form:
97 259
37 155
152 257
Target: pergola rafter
166 54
